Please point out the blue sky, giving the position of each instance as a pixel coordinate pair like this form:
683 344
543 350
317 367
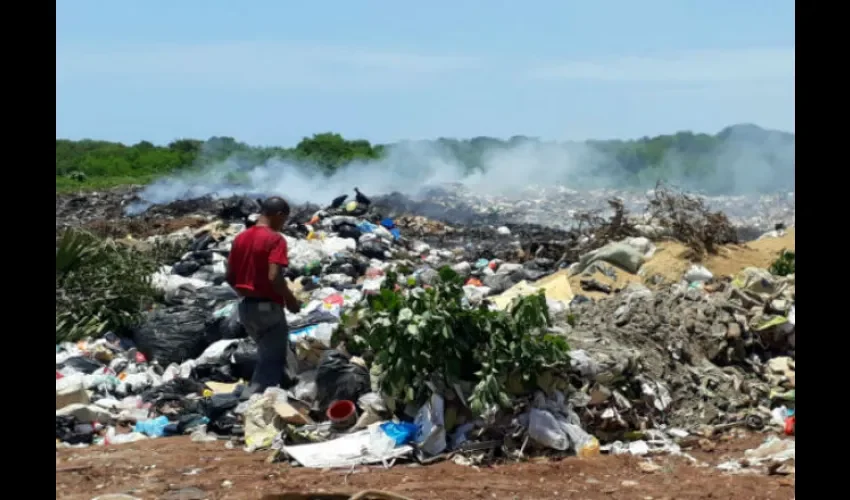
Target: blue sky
270 72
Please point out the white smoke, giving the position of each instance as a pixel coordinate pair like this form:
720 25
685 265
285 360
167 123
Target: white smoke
746 161
408 167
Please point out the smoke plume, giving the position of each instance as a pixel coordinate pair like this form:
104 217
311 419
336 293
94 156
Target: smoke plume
747 159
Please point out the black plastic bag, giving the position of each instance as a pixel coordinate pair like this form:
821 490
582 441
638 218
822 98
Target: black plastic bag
337 378
208 296
498 283
203 257
219 404
345 230
186 267
82 364
225 425
209 372
202 243
171 399
243 361
173 335
178 387
579 299
237 208
227 327
313 318
533 275
69 430
219 410
212 295
372 249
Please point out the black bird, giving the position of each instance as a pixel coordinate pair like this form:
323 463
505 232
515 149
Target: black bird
360 198
338 201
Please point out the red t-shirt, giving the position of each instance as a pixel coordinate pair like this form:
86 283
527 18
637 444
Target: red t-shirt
248 263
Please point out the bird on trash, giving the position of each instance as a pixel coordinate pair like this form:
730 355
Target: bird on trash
251 220
338 201
361 198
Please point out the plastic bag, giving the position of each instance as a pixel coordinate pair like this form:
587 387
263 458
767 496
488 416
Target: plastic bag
431 435
400 432
225 323
323 332
305 389
698 273
498 283
372 249
337 378
243 361
544 428
153 428
81 364
217 353
173 335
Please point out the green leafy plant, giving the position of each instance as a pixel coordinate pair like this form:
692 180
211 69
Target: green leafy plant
100 286
419 336
785 264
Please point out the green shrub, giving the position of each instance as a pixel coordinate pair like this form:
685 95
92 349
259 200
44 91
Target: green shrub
430 336
785 264
101 286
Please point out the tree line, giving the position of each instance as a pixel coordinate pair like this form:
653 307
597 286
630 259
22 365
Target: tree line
695 159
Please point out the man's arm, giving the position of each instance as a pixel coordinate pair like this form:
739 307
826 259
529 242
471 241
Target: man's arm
282 288
278 260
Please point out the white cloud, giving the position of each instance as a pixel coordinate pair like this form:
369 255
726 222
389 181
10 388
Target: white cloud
255 65
696 66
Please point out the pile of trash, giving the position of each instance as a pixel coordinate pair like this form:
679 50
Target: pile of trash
688 355
454 205
644 364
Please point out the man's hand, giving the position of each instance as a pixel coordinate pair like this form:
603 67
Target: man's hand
279 283
293 305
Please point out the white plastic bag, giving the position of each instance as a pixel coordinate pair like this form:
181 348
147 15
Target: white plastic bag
215 352
431 437
698 274
543 427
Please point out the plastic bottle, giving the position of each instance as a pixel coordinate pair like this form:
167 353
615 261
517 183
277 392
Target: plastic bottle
791 426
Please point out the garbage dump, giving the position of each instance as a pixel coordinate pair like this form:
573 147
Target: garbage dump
425 339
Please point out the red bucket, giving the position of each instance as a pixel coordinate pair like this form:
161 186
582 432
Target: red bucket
342 414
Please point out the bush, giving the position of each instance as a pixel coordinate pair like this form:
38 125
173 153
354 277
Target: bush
101 286
430 336
785 264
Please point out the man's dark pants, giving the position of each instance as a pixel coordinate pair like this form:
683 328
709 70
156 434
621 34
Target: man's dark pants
265 322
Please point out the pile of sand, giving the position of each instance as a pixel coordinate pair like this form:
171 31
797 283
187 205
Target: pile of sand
670 261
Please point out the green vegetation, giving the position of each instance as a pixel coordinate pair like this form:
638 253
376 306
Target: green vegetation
785 264
102 285
97 164
89 164
429 336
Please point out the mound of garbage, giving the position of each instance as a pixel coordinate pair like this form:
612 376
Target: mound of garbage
423 339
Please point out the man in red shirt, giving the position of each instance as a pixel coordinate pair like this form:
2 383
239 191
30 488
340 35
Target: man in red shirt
255 267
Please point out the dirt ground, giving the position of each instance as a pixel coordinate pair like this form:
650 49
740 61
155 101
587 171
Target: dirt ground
142 228
179 469
670 262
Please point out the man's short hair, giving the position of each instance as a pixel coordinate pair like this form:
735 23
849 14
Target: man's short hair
274 206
